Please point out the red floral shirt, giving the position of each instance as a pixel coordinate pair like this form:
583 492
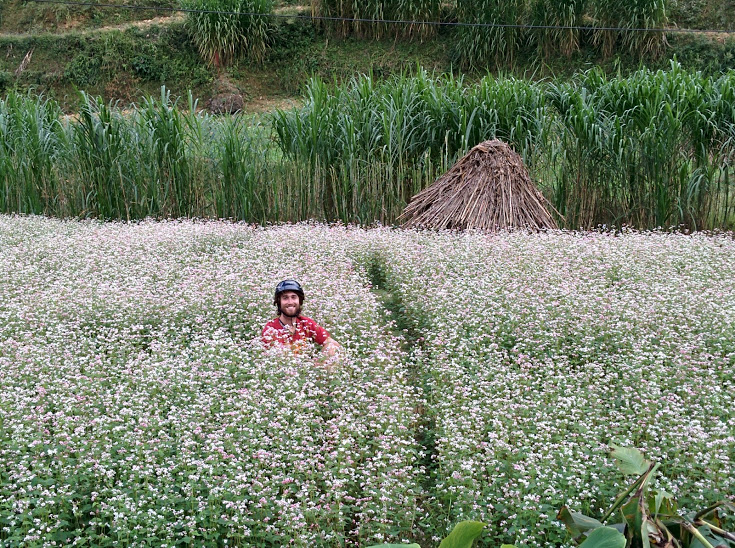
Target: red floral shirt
306 329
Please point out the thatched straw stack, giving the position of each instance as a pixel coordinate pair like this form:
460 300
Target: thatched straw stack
488 189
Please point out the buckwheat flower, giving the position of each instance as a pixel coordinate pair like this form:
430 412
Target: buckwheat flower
164 318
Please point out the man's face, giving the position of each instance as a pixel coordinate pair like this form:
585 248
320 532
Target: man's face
290 305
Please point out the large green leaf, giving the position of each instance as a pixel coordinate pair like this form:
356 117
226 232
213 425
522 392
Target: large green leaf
604 537
633 516
463 535
630 460
577 523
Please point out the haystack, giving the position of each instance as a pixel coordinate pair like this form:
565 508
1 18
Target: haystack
488 189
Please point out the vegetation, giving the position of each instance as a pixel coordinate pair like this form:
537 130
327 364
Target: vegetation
158 161
21 16
648 519
504 34
561 13
225 29
500 45
390 10
489 45
123 64
138 405
463 535
651 150
106 52
629 15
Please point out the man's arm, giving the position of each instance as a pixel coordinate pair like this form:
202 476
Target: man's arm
331 347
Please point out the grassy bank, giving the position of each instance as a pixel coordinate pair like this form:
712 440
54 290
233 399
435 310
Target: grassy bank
106 54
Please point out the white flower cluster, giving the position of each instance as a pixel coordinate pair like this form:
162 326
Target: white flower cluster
138 406
543 350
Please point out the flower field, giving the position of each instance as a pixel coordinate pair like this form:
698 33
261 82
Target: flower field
485 380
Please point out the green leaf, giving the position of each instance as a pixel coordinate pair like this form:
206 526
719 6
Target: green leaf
662 496
463 535
633 517
577 523
630 460
647 529
666 537
604 537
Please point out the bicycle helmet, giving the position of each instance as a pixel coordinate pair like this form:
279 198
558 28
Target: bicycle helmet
288 285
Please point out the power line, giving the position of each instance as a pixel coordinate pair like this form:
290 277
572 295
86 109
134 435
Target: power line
385 21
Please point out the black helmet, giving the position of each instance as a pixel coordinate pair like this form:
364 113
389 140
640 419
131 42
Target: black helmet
288 285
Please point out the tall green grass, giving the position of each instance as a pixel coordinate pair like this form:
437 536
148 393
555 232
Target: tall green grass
363 17
148 162
382 141
499 42
31 138
653 149
480 46
557 13
104 155
500 31
224 30
628 15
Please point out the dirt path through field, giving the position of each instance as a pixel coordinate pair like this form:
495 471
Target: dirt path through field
76 25
168 16
405 328
173 17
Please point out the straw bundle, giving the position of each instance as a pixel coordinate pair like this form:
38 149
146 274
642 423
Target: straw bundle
488 189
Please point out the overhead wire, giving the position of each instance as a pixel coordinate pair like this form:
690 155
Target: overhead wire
385 21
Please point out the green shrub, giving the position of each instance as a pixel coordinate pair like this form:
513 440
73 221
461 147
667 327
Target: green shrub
83 70
6 80
696 52
647 515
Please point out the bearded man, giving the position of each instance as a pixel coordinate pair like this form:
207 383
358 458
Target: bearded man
290 328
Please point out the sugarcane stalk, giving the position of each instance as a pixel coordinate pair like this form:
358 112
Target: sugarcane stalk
693 530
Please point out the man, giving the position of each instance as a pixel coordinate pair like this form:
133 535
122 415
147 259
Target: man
292 329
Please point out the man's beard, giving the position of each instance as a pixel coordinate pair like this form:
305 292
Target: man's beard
295 315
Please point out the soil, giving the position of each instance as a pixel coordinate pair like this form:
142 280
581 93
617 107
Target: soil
78 25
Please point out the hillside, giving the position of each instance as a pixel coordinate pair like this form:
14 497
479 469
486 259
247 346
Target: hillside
122 54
